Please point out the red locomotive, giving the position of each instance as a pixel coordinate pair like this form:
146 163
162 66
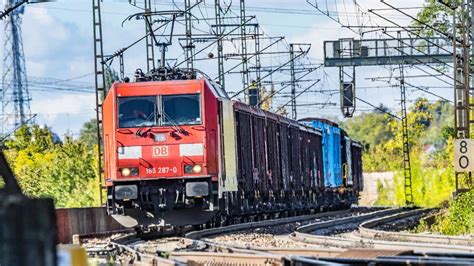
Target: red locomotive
182 151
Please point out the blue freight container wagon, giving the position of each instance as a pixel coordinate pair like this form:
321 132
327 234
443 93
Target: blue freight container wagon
331 150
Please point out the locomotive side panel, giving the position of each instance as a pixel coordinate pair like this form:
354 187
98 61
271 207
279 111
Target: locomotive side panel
210 107
108 130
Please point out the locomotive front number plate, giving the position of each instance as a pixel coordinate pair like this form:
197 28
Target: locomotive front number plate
161 151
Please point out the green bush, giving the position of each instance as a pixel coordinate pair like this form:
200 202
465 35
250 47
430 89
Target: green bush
431 156
65 171
458 218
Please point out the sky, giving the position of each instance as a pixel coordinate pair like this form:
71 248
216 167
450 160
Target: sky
57 39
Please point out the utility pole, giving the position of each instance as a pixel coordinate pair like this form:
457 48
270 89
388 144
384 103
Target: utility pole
405 136
243 48
150 48
462 92
100 90
293 82
189 35
220 48
258 64
252 94
15 94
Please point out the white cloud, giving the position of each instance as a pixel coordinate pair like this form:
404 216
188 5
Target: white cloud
316 36
42 34
52 44
72 104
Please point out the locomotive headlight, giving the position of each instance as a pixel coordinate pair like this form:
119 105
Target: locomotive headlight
125 171
192 169
197 169
133 171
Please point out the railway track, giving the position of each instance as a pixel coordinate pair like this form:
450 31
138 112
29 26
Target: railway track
142 247
198 252
365 236
200 247
271 234
368 230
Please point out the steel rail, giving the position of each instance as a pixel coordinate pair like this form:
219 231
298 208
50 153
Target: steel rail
205 252
349 220
394 260
145 258
125 243
252 225
366 230
214 254
229 259
303 234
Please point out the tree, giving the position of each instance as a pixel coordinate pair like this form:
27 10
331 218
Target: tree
382 109
65 171
369 128
435 14
88 133
110 77
430 150
267 97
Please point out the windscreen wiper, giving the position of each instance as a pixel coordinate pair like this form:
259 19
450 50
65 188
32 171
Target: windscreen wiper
148 119
174 124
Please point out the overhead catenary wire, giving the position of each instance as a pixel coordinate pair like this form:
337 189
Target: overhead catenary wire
299 94
409 30
286 86
271 72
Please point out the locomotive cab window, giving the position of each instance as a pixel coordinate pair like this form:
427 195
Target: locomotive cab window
137 111
184 109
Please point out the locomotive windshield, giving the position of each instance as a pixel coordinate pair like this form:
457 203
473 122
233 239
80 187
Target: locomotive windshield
137 111
183 109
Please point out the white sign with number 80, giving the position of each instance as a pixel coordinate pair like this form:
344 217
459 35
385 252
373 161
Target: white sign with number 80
463 155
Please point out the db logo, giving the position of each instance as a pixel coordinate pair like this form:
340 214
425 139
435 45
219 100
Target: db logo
161 151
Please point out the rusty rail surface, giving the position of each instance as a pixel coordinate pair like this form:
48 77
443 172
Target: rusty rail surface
145 258
354 241
366 230
228 259
252 225
348 220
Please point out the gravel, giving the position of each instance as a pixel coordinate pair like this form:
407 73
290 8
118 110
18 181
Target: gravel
263 237
165 245
275 236
101 252
401 225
